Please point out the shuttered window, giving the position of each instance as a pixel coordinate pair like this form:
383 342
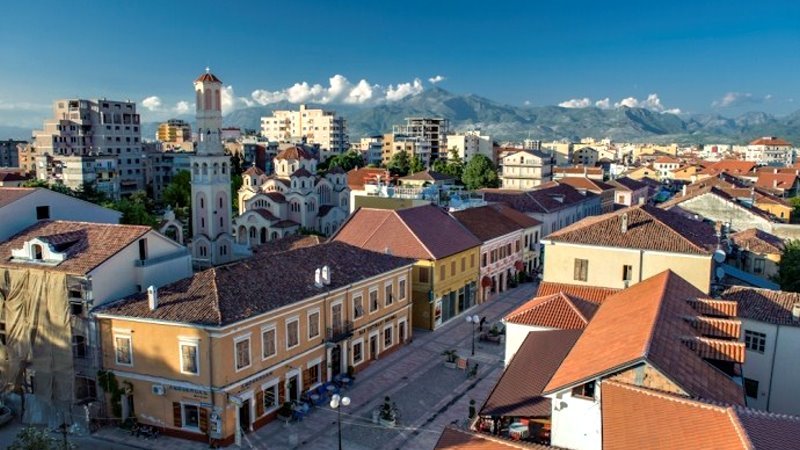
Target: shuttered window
581 269
177 415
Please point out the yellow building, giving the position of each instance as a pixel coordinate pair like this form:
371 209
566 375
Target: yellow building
174 131
446 272
622 248
218 354
757 252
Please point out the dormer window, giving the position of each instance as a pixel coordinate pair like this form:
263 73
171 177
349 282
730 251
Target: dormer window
36 252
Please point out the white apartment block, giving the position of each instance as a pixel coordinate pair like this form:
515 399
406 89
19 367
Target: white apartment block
432 130
312 126
526 169
771 151
371 149
102 172
101 127
469 144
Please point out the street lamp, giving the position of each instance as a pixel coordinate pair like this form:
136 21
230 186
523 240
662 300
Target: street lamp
336 403
474 319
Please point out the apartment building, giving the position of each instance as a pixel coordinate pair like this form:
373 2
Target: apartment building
414 146
526 169
622 248
312 126
107 128
100 172
445 278
629 192
162 166
757 253
175 134
53 272
210 361
371 149
562 151
9 153
599 188
579 170
469 144
428 129
771 151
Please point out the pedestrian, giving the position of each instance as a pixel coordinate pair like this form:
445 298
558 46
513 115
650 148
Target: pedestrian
480 324
471 409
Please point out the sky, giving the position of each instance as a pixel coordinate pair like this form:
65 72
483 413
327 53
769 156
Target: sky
679 56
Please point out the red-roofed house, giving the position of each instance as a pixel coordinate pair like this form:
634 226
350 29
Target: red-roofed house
771 151
780 184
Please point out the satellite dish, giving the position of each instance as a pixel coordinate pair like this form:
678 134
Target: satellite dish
719 256
720 272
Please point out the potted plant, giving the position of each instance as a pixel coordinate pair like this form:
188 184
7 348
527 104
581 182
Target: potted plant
285 412
450 358
387 415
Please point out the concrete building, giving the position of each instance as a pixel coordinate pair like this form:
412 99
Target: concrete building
629 192
174 134
371 149
526 169
562 151
101 127
312 126
162 166
469 144
9 153
428 129
209 361
771 151
100 172
414 146
623 248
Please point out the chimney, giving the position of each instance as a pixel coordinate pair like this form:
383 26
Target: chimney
774 183
796 312
326 275
152 297
624 225
775 170
683 191
318 277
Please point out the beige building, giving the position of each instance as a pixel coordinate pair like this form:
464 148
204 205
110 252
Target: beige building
622 248
429 129
394 143
561 150
469 144
175 133
217 355
526 169
314 126
74 172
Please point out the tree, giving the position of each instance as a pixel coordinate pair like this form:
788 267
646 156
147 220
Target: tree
178 193
480 173
795 203
88 192
136 210
440 165
57 187
347 161
399 165
789 268
416 165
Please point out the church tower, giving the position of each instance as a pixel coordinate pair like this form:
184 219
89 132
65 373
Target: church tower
212 243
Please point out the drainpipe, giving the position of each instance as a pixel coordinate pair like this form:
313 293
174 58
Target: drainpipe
772 365
211 383
641 264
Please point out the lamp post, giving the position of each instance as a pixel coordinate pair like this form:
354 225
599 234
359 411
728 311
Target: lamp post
336 403
474 319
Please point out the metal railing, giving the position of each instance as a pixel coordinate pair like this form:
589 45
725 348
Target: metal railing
339 332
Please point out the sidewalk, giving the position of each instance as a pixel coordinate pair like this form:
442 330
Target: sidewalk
428 395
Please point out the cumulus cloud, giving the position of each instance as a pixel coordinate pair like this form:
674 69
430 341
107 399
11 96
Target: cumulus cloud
652 102
436 79
576 103
182 107
338 90
732 99
230 101
156 105
152 103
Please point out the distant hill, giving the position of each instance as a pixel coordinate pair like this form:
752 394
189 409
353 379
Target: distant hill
505 122
15 133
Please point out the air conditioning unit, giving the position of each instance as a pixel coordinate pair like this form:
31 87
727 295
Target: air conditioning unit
158 389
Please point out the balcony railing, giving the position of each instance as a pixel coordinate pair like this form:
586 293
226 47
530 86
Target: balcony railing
339 332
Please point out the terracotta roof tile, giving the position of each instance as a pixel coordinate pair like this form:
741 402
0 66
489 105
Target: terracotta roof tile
729 166
254 171
544 200
629 184
287 244
588 184
9 195
590 293
646 323
218 296
517 217
455 439
770 140
89 244
427 175
356 178
764 305
518 392
770 180
757 241
485 222
769 430
667 160
295 153
579 169
208 77
649 228
561 311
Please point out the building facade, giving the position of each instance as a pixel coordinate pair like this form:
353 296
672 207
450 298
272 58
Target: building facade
312 126
526 169
100 172
9 153
469 144
771 151
175 133
428 129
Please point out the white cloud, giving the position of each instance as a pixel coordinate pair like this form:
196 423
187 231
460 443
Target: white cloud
23 106
436 79
182 107
652 102
576 103
152 103
155 105
339 90
230 101
733 99
527 103
603 104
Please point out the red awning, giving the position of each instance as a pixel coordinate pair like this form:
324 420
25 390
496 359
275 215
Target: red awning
519 266
486 282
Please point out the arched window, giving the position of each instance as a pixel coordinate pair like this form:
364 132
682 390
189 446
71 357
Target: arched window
199 100
263 235
253 232
36 251
196 169
218 98
205 169
224 167
207 102
216 168
220 202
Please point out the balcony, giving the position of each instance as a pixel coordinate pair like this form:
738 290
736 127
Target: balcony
339 332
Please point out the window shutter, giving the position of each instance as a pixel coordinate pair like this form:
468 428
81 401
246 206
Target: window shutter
259 403
306 378
203 420
281 392
177 418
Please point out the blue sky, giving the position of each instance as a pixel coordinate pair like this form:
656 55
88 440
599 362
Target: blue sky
693 56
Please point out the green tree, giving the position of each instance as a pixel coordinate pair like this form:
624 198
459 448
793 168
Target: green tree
399 165
416 164
789 268
136 209
88 192
439 165
57 187
33 438
178 193
795 203
480 173
347 161
455 165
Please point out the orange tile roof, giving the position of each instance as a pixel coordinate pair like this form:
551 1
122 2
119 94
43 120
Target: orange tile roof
589 293
770 180
523 220
730 165
455 439
757 241
649 228
561 311
295 153
646 323
486 222
764 305
586 184
771 140
356 178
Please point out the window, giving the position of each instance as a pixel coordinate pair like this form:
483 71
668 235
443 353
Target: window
85 388
313 324
584 390
751 388
442 272
423 274
452 268
484 258
268 344
358 307
42 212
142 249
472 261
292 333
123 350
271 397
242 347
189 358
755 341
401 289
78 347
463 263
627 272
387 337
312 375
758 265
387 297
358 352
373 301
581 269
191 416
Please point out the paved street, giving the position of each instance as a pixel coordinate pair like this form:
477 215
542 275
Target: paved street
428 395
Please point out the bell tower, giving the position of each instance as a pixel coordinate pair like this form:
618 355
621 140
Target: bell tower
212 243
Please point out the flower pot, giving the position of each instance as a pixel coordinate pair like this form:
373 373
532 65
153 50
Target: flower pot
388 423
